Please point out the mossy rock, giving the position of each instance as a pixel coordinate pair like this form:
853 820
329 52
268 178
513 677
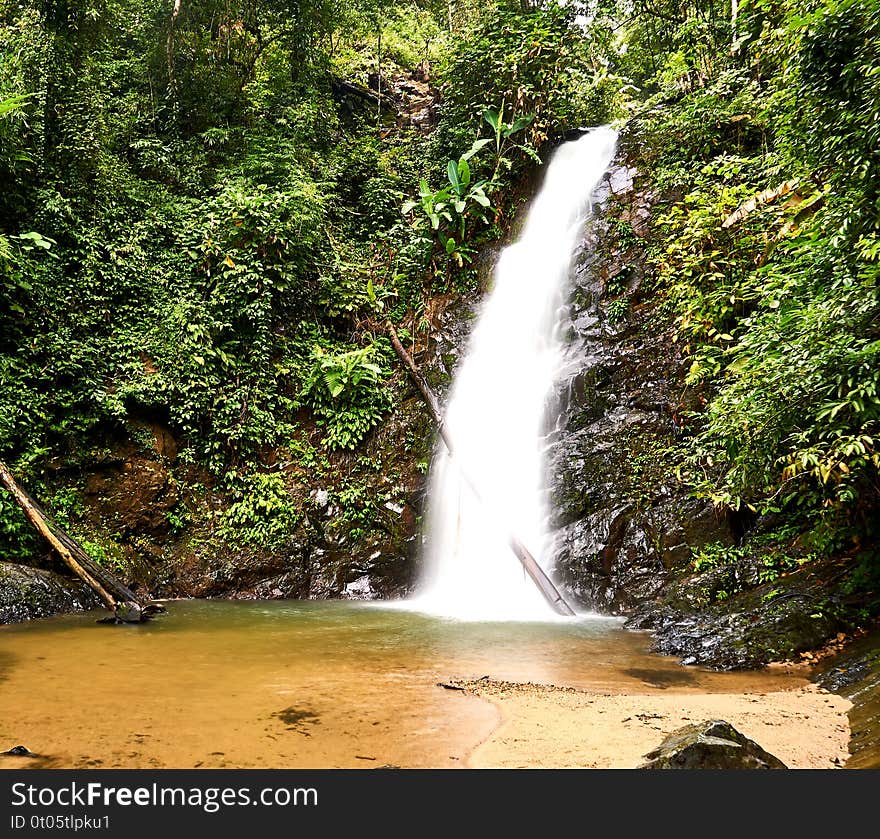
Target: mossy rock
27 593
714 744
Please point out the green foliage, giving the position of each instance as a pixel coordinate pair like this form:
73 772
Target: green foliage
65 505
106 553
771 563
12 104
618 310
833 126
536 60
14 265
344 390
17 540
178 520
446 212
503 137
666 44
309 457
766 253
206 210
194 205
200 227
262 513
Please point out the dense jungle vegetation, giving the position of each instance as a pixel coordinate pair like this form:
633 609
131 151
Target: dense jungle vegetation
210 207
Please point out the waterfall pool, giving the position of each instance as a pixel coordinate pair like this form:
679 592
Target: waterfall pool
302 684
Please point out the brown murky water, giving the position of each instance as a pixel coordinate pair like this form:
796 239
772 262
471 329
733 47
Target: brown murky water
300 684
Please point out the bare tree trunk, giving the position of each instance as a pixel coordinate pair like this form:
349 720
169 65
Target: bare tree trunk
734 14
40 524
169 42
115 596
379 75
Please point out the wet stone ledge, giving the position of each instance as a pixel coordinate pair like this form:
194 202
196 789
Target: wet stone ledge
27 593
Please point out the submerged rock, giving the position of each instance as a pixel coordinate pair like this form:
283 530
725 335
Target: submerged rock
714 744
19 751
27 593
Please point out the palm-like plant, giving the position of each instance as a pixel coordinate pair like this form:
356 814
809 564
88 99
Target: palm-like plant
448 209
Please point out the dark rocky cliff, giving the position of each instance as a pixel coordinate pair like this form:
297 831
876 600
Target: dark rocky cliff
627 529
622 523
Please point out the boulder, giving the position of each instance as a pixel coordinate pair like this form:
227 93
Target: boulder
714 744
27 593
772 621
19 751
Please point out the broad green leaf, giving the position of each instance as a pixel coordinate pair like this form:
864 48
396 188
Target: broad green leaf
481 198
478 144
492 118
518 124
531 153
452 172
7 106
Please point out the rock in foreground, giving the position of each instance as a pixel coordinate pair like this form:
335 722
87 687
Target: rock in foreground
714 744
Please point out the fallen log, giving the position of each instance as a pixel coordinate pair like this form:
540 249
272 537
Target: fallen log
118 598
536 573
343 89
421 383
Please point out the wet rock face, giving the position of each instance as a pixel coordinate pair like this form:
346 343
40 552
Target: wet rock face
621 524
133 496
773 621
714 744
855 674
27 593
625 529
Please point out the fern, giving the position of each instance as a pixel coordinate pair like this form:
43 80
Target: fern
346 395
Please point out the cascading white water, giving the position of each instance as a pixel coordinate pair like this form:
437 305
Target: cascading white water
496 413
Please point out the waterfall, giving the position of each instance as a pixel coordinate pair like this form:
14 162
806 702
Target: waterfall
496 415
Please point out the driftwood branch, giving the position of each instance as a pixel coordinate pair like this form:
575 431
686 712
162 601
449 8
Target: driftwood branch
420 382
117 597
539 577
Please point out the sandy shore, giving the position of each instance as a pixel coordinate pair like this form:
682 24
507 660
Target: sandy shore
544 726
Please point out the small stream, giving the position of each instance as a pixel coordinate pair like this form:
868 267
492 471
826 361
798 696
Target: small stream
300 684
